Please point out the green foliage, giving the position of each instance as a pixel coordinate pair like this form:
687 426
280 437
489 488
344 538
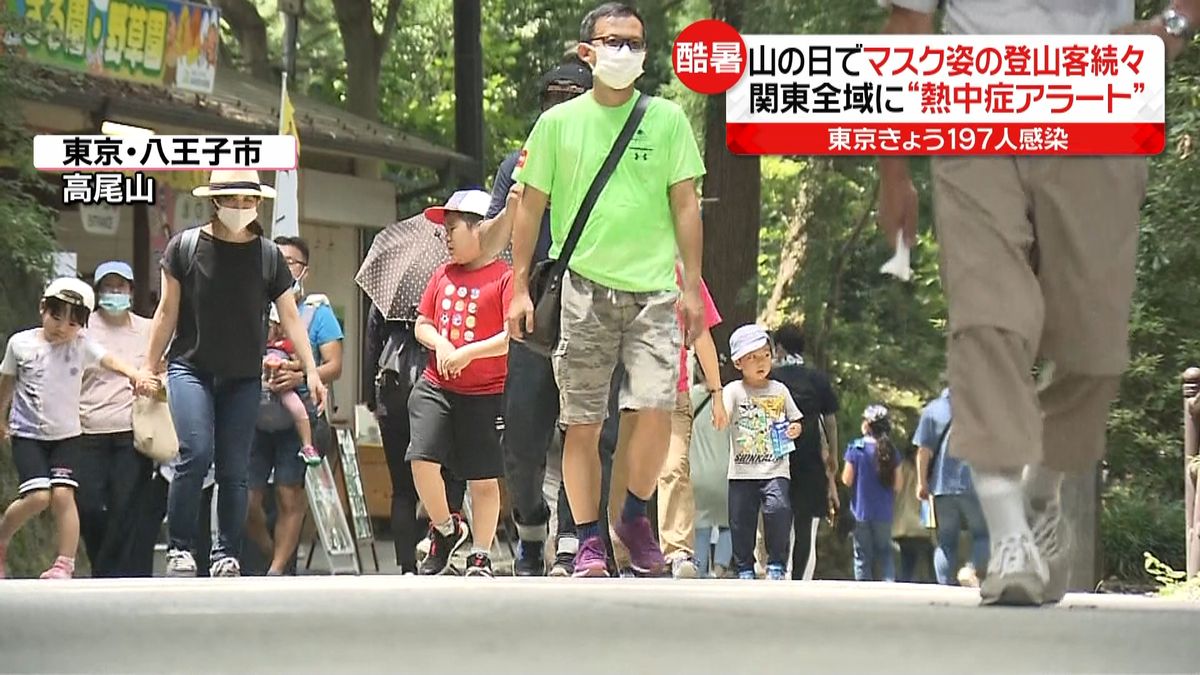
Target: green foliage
1144 481
1133 522
28 241
1173 583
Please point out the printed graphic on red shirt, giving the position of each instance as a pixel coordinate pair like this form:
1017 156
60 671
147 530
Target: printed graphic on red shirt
469 306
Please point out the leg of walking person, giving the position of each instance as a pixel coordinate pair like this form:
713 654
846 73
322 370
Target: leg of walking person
948 515
884 549
977 527
392 416
676 499
744 504
1040 258
235 411
702 545
288 492
148 515
131 470
723 552
262 463
531 413
92 471
777 526
191 400
864 552
584 361
618 486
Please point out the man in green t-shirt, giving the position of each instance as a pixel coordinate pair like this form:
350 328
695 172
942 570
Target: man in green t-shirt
620 295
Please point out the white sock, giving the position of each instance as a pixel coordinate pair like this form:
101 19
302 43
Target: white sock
477 550
568 545
811 566
446 528
1042 485
1003 502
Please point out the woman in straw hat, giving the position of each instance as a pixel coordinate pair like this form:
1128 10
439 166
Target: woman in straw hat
218 281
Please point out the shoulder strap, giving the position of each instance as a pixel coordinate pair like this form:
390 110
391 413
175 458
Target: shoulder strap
937 452
187 248
942 438
307 314
705 402
601 179
269 262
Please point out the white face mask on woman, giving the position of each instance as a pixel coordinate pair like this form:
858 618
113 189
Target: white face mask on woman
236 219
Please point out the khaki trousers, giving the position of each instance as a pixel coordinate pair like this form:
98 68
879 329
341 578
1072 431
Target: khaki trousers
1037 262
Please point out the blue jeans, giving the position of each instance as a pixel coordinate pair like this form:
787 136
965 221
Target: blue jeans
214 419
872 549
952 513
703 548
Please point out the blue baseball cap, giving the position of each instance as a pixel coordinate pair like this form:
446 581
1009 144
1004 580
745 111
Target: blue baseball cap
116 267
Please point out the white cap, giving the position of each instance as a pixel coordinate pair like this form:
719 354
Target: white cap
72 291
463 201
747 339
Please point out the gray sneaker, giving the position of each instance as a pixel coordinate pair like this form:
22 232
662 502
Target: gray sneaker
225 567
1016 573
1053 544
180 564
684 568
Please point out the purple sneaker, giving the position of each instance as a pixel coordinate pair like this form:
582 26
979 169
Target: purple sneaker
644 554
592 559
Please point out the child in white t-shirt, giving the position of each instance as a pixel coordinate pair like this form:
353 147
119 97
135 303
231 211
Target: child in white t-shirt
41 376
765 423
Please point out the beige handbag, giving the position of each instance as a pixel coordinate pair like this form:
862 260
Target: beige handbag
153 430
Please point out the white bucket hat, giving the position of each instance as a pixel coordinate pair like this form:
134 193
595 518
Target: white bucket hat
234 182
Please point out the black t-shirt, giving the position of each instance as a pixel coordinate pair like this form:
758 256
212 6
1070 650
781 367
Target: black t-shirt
220 327
814 397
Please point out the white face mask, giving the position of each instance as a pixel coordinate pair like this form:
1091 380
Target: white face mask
236 219
618 68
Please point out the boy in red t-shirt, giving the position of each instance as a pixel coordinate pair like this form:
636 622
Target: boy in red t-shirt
455 410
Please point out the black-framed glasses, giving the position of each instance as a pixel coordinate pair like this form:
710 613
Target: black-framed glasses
616 42
292 262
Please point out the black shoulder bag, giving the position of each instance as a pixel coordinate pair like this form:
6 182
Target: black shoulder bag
545 281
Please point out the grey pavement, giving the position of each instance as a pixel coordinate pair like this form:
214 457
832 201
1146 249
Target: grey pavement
381 623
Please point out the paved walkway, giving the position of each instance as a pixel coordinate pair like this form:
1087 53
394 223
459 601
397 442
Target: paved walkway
442 625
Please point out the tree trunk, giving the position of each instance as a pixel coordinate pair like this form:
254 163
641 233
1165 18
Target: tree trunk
251 31
732 212
791 256
364 49
820 342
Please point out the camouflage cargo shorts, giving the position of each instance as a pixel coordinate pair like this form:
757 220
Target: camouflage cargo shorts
601 326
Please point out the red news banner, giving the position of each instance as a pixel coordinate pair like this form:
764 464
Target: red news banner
931 94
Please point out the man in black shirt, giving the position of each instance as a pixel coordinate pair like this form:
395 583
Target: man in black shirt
814 462
531 395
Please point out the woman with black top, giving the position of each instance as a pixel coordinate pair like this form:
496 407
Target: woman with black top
218 281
